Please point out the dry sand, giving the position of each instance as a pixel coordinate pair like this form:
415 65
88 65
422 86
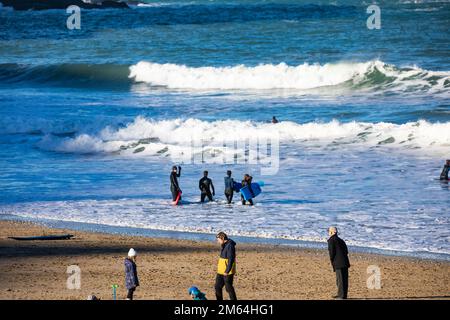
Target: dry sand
167 268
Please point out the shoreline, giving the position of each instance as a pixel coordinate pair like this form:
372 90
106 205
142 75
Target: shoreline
207 237
167 267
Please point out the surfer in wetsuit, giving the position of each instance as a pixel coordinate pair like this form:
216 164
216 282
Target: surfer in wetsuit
274 119
445 170
174 187
205 185
247 182
229 183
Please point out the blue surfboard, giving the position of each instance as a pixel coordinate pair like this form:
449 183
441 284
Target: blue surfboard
237 186
245 191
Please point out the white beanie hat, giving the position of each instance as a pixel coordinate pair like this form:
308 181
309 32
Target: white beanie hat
132 253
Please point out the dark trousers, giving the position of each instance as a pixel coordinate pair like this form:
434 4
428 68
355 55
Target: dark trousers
174 194
342 282
130 293
203 195
249 201
229 196
226 281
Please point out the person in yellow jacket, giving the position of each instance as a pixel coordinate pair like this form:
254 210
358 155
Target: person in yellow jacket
226 267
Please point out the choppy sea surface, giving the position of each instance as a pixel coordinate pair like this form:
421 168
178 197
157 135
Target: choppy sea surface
92 120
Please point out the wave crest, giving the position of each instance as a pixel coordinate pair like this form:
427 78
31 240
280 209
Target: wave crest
330 78
176 137
373 74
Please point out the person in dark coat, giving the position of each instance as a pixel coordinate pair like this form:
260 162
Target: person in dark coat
340 262
131 277
226 267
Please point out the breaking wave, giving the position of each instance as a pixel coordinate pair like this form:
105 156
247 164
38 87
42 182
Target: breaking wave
371 76
375 75
178 137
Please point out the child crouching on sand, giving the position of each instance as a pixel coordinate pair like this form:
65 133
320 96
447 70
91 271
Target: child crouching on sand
196 294
131 278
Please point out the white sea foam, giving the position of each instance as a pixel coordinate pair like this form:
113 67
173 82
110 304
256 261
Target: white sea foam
155 4
293 222
144 137
372 74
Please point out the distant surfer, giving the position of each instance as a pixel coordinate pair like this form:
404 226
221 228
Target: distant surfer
445 170
274 120
205 185
229 184
247 182
174 187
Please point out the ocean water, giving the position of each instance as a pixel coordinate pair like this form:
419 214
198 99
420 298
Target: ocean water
92 120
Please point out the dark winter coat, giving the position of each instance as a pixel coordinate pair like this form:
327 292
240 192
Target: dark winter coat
338 253
131 278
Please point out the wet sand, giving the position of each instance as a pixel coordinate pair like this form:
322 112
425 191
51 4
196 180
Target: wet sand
167 268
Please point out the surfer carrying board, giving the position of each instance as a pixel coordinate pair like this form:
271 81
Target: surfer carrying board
205 185
247 182
174 187
445 170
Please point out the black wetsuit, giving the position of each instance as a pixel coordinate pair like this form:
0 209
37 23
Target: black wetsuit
205 184
444 173
174 187
249 184
229 182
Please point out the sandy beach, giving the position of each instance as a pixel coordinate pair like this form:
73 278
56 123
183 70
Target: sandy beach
37 269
